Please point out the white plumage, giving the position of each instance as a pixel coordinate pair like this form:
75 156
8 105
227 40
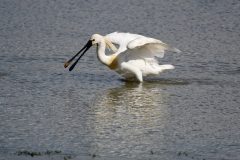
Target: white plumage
135 55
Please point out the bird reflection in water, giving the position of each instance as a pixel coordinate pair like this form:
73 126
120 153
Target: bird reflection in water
126 118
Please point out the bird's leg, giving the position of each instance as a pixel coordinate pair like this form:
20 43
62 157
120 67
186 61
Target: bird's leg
131 68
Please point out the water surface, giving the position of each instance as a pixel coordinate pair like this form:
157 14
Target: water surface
191 112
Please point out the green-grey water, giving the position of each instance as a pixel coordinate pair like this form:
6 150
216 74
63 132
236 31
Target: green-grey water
191 112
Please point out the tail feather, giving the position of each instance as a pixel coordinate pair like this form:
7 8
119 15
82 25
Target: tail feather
165 67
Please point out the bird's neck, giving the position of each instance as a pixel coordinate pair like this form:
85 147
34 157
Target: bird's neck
105 59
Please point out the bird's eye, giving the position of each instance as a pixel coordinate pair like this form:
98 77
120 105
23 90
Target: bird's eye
93 39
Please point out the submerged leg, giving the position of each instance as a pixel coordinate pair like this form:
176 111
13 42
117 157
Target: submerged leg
131 68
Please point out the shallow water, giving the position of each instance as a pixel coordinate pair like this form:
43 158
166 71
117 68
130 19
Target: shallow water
191 112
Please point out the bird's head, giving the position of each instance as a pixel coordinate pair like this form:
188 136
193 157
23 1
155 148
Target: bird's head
96 38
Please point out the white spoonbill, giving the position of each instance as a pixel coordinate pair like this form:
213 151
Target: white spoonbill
134 58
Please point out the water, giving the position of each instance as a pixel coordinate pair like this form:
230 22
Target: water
191 112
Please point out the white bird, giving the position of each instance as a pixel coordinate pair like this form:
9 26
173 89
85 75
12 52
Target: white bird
135 56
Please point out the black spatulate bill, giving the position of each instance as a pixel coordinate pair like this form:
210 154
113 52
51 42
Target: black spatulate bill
86 47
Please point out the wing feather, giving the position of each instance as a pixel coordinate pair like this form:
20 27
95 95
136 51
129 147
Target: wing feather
151 46
136 46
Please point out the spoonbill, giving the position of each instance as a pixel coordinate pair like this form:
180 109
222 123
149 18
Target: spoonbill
135 57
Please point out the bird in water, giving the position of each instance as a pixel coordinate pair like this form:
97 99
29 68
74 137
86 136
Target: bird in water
135 57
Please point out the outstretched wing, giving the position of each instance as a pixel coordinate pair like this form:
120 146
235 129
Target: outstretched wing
149 47
138 46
